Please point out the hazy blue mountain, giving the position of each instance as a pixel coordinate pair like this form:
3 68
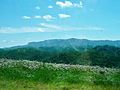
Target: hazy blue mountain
72 42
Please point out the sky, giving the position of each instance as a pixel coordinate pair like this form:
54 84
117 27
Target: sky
23 21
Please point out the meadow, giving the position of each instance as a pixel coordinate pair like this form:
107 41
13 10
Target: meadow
33 75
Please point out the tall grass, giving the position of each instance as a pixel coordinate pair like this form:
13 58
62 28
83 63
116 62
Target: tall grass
66 77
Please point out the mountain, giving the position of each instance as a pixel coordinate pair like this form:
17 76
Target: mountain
102 53
72 42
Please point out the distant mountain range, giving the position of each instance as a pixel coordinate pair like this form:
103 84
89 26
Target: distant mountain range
72 42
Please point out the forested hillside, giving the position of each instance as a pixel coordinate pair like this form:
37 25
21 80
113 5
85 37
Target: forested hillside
104 56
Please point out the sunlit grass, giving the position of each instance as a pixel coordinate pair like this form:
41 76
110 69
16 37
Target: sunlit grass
29 75
25 85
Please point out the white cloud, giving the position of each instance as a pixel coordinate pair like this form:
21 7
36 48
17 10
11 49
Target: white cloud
79 5
64 16
26 17
37 7
50 6
69 4
45 17
45 27
90 28
20 30
37 17
40 30
64 4
48 17
52 26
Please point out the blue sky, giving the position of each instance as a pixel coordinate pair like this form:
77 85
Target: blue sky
23 21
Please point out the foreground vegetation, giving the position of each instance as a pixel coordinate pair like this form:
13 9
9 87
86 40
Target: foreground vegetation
24 85
32 75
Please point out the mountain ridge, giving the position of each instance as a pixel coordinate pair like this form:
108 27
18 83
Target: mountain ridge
73 42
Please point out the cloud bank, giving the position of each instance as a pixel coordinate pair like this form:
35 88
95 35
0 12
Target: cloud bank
68 4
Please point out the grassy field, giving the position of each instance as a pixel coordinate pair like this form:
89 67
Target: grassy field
32 75
24 85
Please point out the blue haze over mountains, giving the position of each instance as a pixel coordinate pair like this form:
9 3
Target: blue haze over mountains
72 42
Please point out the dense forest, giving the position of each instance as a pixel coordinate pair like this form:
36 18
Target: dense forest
104 56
